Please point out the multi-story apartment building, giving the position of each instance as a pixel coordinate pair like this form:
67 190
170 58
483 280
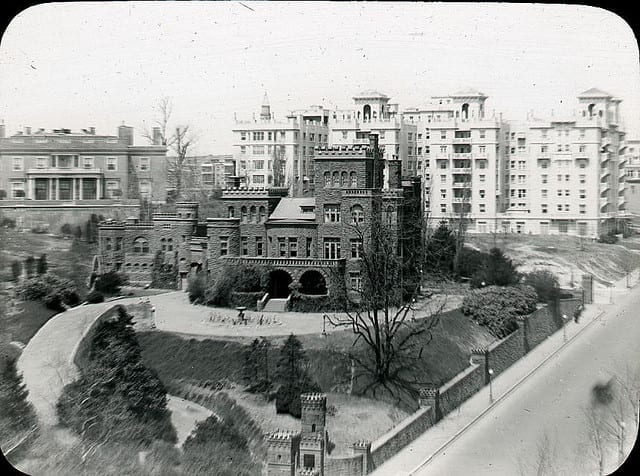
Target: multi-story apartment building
632 179
276 153
460 157
205 173
372 114
561 175
41 171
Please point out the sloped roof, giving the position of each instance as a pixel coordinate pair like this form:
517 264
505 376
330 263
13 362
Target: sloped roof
469 92
289 209
594 93
370 93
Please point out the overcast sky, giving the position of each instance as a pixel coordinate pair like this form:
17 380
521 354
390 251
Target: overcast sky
77 65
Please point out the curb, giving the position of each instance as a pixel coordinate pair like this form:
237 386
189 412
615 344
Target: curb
501 397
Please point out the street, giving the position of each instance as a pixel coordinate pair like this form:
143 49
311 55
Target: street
545 414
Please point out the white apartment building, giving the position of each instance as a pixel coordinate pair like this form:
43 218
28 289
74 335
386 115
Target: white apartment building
269 152
372 113
561 175
459 155
632 178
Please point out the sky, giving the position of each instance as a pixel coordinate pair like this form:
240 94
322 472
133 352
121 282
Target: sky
77 65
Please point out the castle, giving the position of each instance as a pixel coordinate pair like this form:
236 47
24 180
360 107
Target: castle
302 240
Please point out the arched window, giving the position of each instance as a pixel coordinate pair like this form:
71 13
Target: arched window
389 215
343 180
366 112
262 214
336 179
465 111
163 244
357 214
590 109
327 180
141 246
232 212
169 244
243 214
600 113
252 214
354 180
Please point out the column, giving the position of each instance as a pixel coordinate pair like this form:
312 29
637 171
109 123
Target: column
31 188
98 188
50 189
80 179
73 188
57 188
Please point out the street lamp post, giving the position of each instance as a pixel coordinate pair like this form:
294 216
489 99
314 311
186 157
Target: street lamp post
324 325
490 386
564 327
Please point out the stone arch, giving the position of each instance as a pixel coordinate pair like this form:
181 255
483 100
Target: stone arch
262 214
357 214
327 179
465 111
243 214
354 179
366 112
279 281
252 214
232 212
313 282
590 109
336 179
140 245
343 179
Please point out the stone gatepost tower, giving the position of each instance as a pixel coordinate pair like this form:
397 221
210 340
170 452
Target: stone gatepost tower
314 435
587 288
282 449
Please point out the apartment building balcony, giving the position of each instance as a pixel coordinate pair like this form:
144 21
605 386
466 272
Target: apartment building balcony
604 187
462 140
441 156
461 170
480 155
466 184
462 155
461 199
622 187
605 172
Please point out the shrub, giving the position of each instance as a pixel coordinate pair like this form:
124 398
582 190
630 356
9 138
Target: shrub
497 307
608 238
440 250
196 287
545 284
95 297
241 278
497 269
16 270
245 299
54 292
66 229
470 261
110 282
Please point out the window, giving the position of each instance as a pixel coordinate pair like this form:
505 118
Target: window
443 179
443 208
258 136
356 247
259 246
355 279
293 247
522 193
443 134
482 164
443 150
232 212
354 180
224 245
567 193
332 248
112 163
566 147
544 193
357 214
583 148
262 214
169 244
258 179
582 209
545 208
258 164
18 164
308 246
566 207
144 163
327 179
144 187
244 248
559 193
567 178
482 149
87 162
331 213
140 246
344 134
41 162
544 178
559 207
583 179
583 194
482 133
244 216
482 178
112 189
258 150
243 136
482 208
481 193
17 189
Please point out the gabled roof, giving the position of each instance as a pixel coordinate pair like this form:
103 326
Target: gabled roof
370 93
291 209
594 93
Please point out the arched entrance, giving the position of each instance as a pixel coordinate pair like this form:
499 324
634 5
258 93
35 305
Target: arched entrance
279 282
312 282
366 112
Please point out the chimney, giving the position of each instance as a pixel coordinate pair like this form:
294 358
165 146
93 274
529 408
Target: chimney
92 131
157 136
125 134
27 130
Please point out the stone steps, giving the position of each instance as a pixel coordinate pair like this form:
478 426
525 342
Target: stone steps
275 305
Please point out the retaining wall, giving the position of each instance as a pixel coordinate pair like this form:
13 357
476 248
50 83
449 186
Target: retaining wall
344 465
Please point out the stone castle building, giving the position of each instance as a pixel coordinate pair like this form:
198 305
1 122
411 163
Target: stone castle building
304 240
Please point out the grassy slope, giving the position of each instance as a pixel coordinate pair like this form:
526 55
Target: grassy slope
565 256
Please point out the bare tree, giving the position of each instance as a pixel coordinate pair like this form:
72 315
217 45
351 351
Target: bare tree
544 461
178 138
381 312
597 436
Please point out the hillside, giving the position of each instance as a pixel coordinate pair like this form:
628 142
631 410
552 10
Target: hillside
566 256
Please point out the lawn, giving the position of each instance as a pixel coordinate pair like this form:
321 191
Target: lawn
22 325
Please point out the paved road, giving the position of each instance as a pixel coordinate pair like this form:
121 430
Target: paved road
551 402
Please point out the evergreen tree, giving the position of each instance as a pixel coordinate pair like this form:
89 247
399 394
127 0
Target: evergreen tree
41 265
497 270
17 413
440 250
251 358
29 264
289 370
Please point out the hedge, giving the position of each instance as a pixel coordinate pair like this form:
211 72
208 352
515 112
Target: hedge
246 299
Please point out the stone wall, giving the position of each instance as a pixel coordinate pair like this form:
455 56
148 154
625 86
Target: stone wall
81 352
460 388
397 438
344 466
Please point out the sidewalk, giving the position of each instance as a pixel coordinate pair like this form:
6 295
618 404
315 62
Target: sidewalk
437 438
